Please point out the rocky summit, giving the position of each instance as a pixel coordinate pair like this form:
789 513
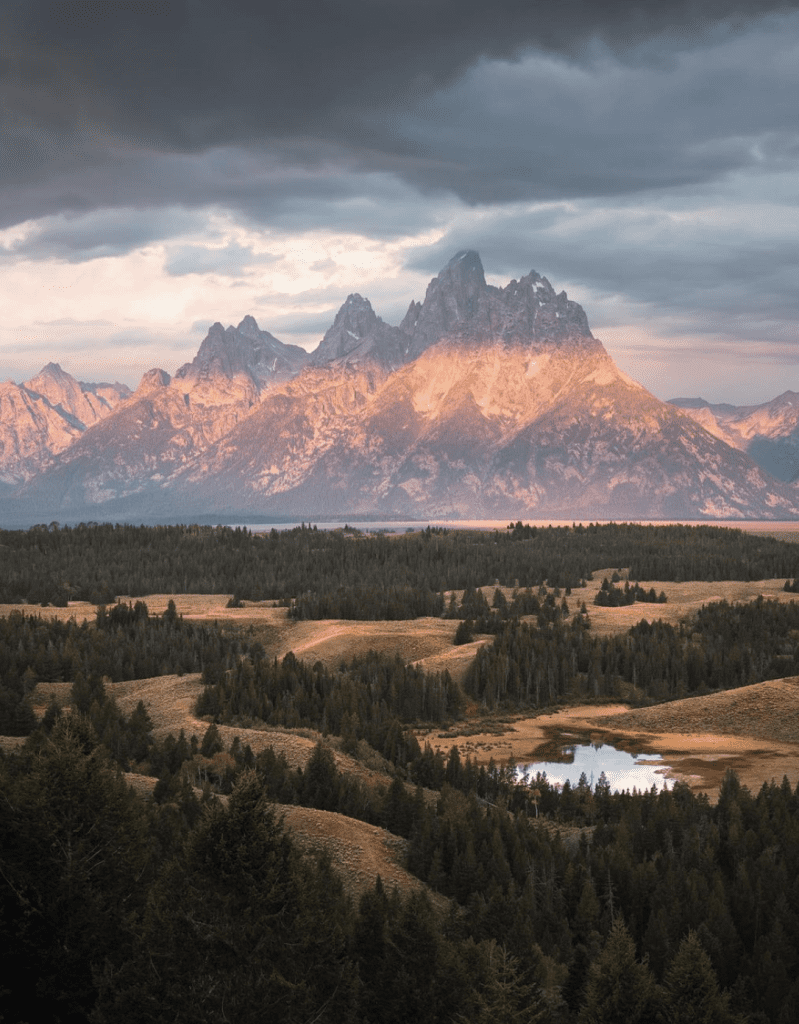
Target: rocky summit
483 402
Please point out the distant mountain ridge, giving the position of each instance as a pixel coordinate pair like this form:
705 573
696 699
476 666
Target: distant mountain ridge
42 417
483 402
768 433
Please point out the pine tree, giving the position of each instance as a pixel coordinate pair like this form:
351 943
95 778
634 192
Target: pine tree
692 994
505 997
73 862
238 927
620 988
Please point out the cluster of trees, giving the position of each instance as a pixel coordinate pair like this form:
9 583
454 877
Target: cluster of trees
113 908
368 699
609 596
661 907
96 562
477 618
367 603
721 647
125 642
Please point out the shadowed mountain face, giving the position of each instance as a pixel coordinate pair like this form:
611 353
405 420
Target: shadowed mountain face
245 351
484 402
768 433
460 306
359 336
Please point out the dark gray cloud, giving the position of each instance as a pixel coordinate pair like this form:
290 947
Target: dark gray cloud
190 73
90 86
693 262
642 154
272 188
545 128
76 238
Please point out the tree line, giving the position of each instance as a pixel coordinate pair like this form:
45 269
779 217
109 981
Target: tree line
348 570
722 646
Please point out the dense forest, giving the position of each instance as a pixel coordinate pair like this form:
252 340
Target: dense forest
633 907
567 906
723 646
343 569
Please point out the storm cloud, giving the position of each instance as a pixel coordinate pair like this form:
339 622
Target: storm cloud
643 154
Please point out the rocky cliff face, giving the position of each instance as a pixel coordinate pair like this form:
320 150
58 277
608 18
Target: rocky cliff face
484 402
768 433
481 430
45 415
167 422
460 306
358 337
245 353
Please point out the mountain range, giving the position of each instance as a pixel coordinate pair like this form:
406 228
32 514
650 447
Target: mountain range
769 433
484 402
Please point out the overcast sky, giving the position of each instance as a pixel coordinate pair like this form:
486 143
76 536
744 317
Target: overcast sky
168 164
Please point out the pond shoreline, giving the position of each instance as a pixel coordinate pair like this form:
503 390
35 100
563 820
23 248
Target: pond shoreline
699 758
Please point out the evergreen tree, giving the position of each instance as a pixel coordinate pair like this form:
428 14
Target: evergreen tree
73 861
237 927
620 988
692 994
504 997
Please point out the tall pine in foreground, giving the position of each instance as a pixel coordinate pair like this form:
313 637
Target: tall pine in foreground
620 988
74 869
238 928
692 989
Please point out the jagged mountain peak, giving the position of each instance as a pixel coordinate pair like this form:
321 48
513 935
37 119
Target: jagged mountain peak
358 334
249 327
80 402
486 401
465 268
52 370
54 383
44 416
768 432
246 349
357 312
152 380
460 306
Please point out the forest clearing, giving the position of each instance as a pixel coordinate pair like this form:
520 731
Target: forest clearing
753 730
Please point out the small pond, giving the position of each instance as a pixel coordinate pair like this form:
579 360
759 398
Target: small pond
622 770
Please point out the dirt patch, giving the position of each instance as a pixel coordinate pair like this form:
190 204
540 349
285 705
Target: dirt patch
755 735
767 711
170 702
359 852
428 640
753 730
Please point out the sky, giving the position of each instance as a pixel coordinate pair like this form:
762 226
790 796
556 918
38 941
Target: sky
169 164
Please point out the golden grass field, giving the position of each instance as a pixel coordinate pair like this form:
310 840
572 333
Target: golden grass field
754 729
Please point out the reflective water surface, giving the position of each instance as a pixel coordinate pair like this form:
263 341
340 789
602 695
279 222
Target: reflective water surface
622 770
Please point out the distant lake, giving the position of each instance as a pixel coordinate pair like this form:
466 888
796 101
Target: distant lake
622 770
